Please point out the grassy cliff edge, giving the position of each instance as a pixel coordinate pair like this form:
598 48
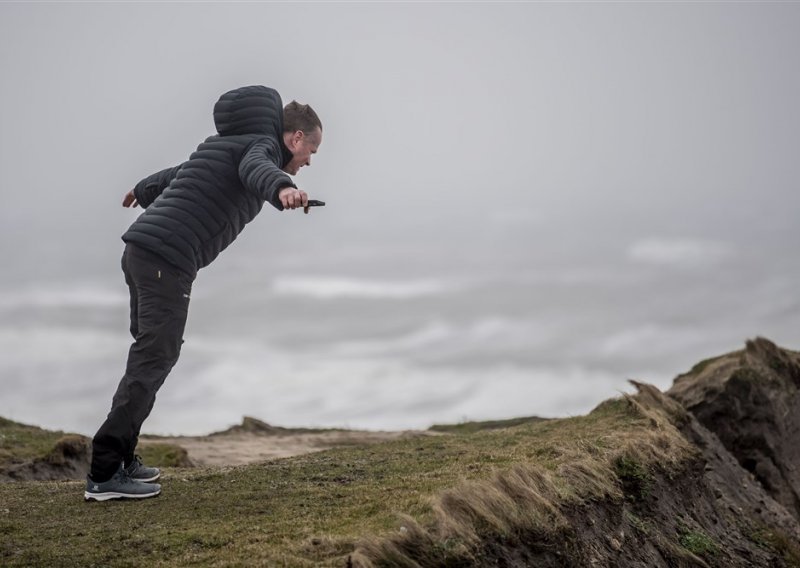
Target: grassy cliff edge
638 481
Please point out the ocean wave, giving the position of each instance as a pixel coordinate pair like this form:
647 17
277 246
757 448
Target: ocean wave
449 340
328 287
369 393
63 296
35 347
65 378
683 252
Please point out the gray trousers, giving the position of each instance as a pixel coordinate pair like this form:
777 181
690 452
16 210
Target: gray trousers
159 305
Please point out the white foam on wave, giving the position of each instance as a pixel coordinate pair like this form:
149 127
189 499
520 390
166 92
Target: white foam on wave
448 339
369 393
37 346
327 287
680 252
61 378
79 295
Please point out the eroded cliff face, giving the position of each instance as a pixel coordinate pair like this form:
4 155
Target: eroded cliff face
751 400
731 501
712 513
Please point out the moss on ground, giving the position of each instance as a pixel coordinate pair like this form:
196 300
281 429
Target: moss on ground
637 482
472 427
699 367
307 510
638 523
777 541
161 454
697 542
746 375
20 443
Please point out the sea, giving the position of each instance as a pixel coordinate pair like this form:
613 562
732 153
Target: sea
388 335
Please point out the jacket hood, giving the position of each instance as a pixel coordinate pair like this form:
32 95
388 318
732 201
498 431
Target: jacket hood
250 110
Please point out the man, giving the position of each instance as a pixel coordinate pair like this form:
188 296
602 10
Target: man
192 212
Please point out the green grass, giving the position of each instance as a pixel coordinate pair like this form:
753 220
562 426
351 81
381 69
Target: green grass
254 425
160 454
637 481
308 510
20 443
638 523
702 365
472 427
777 541
745 375
699 367
696 541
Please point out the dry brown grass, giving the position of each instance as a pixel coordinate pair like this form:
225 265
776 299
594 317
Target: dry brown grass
526 503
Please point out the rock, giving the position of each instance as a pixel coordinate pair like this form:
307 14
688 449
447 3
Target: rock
751 400
69 459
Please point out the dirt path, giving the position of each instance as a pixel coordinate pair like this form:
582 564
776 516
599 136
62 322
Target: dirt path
237 448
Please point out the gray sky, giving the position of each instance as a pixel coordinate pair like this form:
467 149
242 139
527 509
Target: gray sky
561 141
586 124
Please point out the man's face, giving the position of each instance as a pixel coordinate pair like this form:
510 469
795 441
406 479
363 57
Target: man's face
301 146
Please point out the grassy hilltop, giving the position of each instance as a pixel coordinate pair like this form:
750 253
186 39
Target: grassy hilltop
637 482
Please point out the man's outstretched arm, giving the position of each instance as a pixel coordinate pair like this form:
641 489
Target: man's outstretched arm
146 191
260 174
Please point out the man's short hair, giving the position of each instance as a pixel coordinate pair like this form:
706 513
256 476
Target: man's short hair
300 117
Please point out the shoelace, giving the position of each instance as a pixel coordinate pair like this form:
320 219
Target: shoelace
135 464
124 476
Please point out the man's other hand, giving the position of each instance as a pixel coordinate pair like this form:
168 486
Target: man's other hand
130 200
292 198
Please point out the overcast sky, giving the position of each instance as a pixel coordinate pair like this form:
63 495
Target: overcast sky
612 121
470 137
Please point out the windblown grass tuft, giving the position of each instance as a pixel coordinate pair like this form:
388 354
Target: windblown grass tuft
523 506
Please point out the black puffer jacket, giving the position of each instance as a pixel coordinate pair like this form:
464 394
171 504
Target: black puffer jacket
195 210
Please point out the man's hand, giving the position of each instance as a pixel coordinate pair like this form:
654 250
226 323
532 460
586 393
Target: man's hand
292 198
130 200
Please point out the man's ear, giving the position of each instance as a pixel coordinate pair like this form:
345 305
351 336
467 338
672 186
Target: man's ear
293 139
297 137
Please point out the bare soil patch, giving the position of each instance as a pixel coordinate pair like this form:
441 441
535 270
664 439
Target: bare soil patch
243 447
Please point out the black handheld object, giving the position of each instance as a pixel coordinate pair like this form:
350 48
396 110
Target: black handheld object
315 203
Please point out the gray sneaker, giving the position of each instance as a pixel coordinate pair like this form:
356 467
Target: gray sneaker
140 472
120 486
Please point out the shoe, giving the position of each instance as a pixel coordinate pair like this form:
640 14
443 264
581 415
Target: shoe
120 486
140 472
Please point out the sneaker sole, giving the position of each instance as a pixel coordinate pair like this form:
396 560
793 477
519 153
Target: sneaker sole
88 496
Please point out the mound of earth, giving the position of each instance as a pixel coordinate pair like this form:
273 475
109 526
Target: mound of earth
751 400
256 426
69 459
